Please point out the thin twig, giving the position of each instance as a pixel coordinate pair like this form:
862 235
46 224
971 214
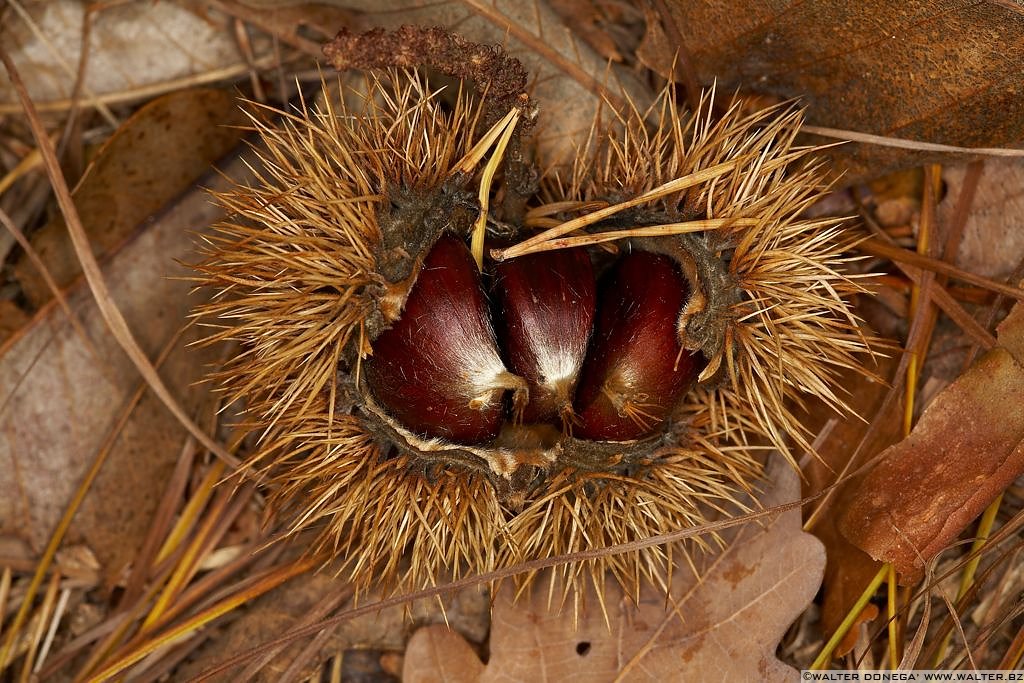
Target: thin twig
149 91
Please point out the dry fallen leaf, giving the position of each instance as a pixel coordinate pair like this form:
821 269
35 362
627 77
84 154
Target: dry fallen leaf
131 45
62 394
727 627
917 71
437 653
153 157
966 449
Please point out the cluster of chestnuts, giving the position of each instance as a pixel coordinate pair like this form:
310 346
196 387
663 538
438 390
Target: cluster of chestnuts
556 359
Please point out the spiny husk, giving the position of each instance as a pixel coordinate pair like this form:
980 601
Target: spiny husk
293 267
793 330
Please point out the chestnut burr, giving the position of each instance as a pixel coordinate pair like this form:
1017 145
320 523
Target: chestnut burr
546 307
438 370
636 370
376 412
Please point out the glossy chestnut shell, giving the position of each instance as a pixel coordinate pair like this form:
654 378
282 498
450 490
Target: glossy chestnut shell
438 369
636 370
546 307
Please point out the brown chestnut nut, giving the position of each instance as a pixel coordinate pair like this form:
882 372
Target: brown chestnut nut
546 307
437 370
636 371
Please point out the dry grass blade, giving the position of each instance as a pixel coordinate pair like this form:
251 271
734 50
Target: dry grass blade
1014 653
685 228
137 594
188 594
94 275
920 295
825 655
51 633
172 592
188 563
487 178
43 616
185 521
5 591
971 567
267 583
474 156
27 163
